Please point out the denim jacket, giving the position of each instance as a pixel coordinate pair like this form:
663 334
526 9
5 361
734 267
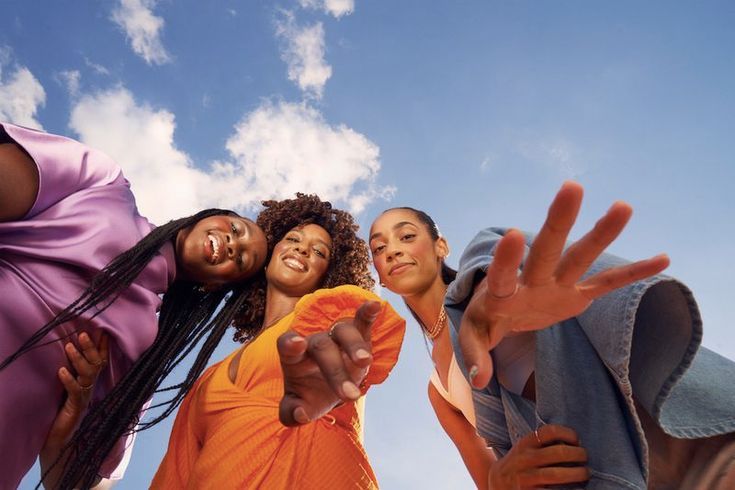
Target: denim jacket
588 369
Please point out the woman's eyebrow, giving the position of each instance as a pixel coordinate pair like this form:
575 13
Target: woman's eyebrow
398 225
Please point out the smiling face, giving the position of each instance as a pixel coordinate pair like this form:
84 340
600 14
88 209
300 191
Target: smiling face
300 260
408 259
220 249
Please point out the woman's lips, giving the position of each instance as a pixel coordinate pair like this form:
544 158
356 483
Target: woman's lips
399 268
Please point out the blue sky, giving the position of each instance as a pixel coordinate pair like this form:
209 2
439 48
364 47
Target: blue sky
474 111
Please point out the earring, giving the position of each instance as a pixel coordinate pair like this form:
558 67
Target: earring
382 284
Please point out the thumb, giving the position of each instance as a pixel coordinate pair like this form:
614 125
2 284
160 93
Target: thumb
474 343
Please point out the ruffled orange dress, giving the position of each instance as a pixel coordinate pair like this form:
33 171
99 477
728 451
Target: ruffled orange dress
227 435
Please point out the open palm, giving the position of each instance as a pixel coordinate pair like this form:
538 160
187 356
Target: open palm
550 287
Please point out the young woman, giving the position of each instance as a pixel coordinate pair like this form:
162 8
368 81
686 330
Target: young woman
608 382
227 433
75 256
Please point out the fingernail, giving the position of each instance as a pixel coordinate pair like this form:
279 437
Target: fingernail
362 354
64 371
473 373
300 416
350 390
297 340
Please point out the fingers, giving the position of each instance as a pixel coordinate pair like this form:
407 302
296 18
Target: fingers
549 243
554 475
348 336
365 317
474 343
550 434
291 348
617 277
291 411
86 372
560 454
328 357
95 357
502 274
578 257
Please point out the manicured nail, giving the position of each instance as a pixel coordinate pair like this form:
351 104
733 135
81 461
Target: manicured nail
350 390
298 340
362 354
473 373
299 414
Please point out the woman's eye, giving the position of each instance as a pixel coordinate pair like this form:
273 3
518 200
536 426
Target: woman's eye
408 236
378 249
292 239
233 228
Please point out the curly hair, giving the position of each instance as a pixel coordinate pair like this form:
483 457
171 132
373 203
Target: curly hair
349 262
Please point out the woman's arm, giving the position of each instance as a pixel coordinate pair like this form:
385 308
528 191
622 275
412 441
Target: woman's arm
18 182
476 455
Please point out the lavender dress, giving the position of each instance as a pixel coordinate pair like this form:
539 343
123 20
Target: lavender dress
84 216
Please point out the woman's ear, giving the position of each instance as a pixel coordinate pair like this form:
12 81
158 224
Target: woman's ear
441 247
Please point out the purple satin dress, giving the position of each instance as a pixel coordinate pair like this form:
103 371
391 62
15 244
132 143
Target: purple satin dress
84 216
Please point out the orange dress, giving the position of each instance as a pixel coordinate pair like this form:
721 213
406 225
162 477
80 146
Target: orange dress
227 435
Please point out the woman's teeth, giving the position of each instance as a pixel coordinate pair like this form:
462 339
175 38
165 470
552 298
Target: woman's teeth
216 245
294 264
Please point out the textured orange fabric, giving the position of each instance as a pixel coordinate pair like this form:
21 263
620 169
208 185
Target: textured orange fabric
227 435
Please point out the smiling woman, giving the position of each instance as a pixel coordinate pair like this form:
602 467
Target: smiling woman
75 256
227 433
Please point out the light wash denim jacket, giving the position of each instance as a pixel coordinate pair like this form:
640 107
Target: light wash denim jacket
589 367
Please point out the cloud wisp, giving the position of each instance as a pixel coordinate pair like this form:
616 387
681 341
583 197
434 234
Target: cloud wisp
336 8
143 29
21 94
303 52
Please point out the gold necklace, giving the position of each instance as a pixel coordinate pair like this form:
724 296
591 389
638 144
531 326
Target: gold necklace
441 320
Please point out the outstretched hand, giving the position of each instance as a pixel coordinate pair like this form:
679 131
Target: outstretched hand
325 368
549 289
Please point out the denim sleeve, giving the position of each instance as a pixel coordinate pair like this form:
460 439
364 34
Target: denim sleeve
473 264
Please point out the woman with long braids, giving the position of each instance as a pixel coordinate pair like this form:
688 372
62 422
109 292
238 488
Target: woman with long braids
227 433
76 257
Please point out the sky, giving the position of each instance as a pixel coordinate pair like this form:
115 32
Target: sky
474 111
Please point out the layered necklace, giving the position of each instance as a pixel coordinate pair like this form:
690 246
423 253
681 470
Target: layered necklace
439 324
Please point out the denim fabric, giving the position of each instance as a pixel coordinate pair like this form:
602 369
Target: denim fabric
589 368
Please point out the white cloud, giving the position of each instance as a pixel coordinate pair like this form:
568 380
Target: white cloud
140 139
143 29
304 54
20 95
277 150
71 80
283 148
98 69
337 8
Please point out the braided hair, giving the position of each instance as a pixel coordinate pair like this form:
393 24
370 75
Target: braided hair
188 316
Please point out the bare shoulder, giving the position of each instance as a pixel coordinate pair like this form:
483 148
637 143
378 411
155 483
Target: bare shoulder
18 182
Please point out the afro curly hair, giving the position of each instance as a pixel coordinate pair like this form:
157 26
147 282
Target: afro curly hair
349 262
